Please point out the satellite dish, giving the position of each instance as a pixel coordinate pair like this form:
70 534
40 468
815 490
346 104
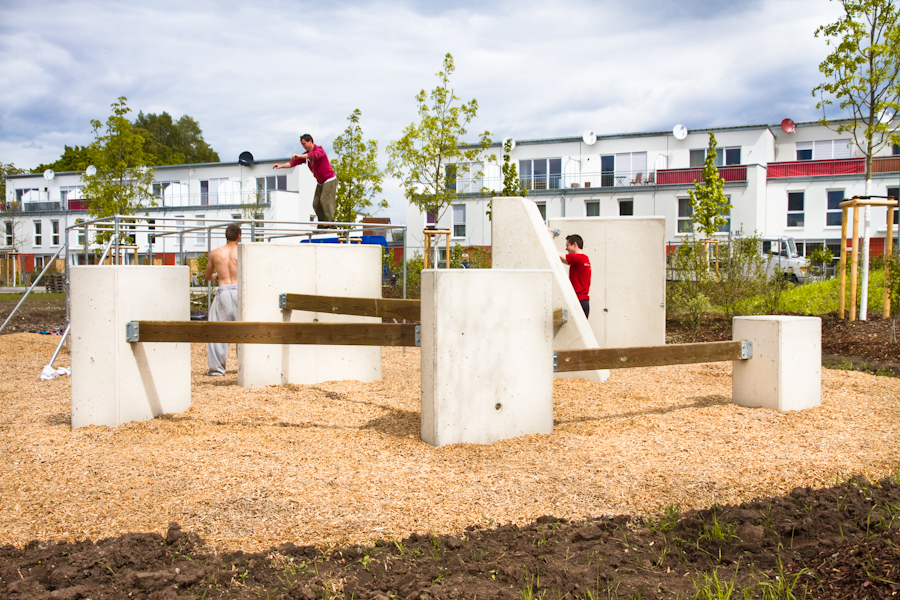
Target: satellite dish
49 174
679 131
788 126
512 143
90 171
589 137
246 159
887 116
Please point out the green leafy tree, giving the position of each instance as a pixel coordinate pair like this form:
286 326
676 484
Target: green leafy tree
124 177
5 170
173 142
430 155
512 186
862 76
710 206
74 158
356 168
11 212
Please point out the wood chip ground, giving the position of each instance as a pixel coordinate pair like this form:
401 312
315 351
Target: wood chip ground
341 462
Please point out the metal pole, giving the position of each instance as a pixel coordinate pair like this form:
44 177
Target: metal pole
85 244
181 248
208 283
404 261
116 221
59 347
38 278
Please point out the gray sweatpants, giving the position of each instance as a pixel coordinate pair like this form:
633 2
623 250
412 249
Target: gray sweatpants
224 308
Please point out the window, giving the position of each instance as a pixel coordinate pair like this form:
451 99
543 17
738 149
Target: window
172 193
724 157
68 193
541 173
430 219
264 185
894 192
201 233
823 150
833 213
795 209
54 237
459 220
469 178
607 171
726 227
685 215
220 191
542 208
37 233
450 175
592 209
630 167
9 233
896 149
28 195
626 207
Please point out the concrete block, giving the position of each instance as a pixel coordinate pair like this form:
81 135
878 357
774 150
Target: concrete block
487 355
520 240
785 372
628 278
115 381
266 270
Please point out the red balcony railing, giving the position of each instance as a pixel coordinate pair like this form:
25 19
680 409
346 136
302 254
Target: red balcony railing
79 204
831 168
687 176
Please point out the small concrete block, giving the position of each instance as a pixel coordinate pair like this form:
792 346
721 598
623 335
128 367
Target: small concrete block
487 355
785 372
115 381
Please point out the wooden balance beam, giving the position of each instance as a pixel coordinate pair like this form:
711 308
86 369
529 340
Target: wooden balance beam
247 332
650 356
391 308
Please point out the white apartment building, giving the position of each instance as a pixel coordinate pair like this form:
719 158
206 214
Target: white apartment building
778 183
37 211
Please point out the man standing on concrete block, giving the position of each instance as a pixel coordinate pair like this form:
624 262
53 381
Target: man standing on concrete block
579 270
326 190
222 267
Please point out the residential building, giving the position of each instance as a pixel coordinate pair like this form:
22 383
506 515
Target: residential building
778 183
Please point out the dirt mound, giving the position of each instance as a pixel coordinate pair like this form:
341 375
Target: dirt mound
839 542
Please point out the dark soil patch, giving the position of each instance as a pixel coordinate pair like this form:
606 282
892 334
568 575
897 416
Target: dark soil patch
840 542
40 312
872 346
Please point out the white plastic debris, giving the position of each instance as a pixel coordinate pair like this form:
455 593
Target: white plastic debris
51 373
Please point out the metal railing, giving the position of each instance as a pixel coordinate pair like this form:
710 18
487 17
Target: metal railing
831 168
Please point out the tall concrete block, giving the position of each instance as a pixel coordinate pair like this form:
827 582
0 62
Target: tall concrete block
267 270
487 355
628 276
115 381
785 372
520 240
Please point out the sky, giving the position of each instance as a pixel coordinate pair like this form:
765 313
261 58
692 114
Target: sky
257 74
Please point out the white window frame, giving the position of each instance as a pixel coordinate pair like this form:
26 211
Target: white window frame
550 181
720 156
801 212
54 232
832 211
201 233
591 204
826 149
38 233
8 232
620 201
457 223
685 222
469 178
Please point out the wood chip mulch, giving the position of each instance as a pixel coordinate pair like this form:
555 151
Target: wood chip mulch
341 462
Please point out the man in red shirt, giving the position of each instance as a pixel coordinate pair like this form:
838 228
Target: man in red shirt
326 188
579 270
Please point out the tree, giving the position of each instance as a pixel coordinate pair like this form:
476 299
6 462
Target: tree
10 212
430 156
7 169
123 178
862 74
173 142
74 158
356 168
708 201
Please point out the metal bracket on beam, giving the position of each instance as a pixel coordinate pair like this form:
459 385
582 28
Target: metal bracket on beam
565 315
282 301
132 334
418 336
746 349
555 362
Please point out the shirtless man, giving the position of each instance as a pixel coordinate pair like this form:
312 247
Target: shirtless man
222 267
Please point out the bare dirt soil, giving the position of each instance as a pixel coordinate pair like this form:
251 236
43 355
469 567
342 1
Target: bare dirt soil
839 542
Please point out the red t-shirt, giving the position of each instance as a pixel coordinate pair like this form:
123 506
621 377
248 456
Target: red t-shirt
580 274
318 164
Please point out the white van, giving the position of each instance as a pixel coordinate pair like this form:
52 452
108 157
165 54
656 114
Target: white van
781 253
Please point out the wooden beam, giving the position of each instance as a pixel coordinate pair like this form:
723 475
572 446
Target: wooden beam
245 332
648 356
363 307
560 316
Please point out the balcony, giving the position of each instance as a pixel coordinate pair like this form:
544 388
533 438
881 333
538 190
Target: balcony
731 173
40 206
832 168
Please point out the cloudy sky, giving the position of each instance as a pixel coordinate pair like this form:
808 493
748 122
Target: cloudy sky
256 74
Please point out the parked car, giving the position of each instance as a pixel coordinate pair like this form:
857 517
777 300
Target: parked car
781 255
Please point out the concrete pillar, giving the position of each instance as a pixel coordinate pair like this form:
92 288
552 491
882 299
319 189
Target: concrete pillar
115 381
267 270
520 240
785 372
628 276
487 355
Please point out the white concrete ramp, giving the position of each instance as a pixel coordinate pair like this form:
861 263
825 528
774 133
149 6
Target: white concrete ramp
520 240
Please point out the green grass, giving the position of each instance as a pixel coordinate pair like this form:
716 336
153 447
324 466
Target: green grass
36 296
819 297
